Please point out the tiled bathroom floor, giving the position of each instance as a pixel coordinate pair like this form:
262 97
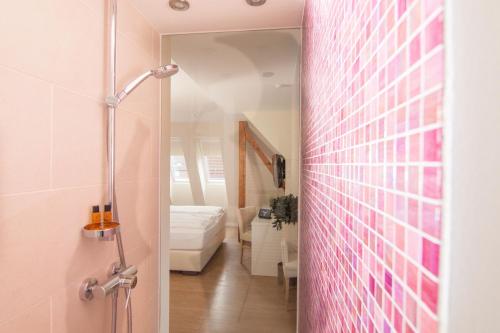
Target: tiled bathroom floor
225 298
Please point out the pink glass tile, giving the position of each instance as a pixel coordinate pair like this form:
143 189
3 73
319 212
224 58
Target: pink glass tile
430 256
431 6
415 147
415 109
367 94
432 145
388 282
413 212
434 34
401 178
409 329
402 7
415 82
400 237
413 180
433 182
431 220
398 321
401 208
401 119
432 108
427 323
398 294
415 17
415 52
429 292
402 32
434 70
401 149
411 309
412 276
413 245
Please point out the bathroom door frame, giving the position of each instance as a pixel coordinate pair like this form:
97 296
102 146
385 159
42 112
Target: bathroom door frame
164 203
164 178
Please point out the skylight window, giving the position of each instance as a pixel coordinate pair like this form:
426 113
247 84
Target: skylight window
178 167
213 164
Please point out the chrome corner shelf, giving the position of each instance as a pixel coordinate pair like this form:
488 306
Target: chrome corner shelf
101 231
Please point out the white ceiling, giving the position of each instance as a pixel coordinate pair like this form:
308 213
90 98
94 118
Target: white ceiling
221 15
223 73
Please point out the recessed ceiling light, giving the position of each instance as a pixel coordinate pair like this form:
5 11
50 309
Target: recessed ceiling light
180 5
256 2
283 85
268 74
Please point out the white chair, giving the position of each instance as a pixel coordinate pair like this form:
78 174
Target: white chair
289 259
245 217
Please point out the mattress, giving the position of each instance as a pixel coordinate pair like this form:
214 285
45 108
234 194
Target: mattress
194 228
202 210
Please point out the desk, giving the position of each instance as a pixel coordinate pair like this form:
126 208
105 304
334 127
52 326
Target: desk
266 247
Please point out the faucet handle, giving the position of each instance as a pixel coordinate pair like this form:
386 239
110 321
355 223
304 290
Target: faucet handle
87 289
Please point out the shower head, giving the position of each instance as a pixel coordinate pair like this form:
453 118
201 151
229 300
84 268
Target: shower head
159 73
165 71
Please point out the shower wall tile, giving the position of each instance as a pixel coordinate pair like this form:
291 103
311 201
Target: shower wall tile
27 223
20 231
79 130
156 47
52 163
133 61
372 87
33 319
25 110
134 146
71 315
28 32
79 63
134 26
137 201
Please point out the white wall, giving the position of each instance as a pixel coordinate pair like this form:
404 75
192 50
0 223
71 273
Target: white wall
260 185
195 192
470 296
280 130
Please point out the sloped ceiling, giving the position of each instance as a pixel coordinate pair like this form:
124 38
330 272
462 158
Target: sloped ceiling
234 73
221 15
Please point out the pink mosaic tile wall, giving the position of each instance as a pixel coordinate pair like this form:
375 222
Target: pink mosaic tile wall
373 73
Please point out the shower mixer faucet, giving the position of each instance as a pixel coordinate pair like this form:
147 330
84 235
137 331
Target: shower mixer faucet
127 279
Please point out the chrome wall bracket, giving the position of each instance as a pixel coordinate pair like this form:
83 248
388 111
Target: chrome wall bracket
86 289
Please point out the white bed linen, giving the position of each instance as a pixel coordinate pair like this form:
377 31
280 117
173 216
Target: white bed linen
210 210
194 229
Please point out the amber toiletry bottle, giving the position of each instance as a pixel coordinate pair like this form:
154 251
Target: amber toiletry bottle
96 214
108 215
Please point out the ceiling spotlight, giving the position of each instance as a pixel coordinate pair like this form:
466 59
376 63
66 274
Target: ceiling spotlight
180 5
283 85
256 2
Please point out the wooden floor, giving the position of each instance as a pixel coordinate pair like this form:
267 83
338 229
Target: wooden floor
225 298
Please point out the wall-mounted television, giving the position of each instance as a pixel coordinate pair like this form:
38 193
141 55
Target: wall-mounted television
279 170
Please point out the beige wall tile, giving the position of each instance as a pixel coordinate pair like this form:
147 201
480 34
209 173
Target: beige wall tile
25 109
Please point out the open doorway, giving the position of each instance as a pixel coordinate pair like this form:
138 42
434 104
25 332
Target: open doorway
233 142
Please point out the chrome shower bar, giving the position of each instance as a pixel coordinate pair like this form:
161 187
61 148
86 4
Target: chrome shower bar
122 276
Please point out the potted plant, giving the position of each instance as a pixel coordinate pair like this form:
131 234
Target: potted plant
285 210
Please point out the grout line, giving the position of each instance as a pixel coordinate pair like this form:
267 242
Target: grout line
51 140
51 314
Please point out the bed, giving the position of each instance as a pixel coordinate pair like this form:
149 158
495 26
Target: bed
196 232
